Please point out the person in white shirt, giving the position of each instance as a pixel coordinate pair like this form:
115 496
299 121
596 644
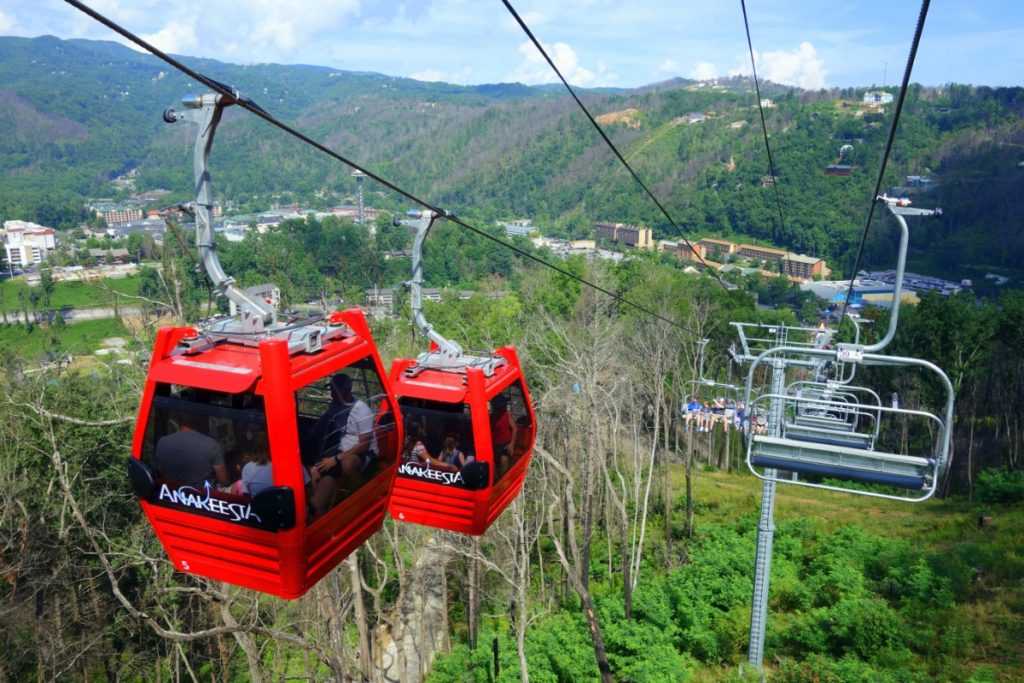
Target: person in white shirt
352 425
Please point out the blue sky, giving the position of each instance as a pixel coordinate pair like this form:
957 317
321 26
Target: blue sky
812 44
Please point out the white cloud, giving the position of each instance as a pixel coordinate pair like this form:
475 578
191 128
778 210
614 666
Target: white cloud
534 70
430 76
282 31
668 66
176 37
6 24
704 71
461 77
801 67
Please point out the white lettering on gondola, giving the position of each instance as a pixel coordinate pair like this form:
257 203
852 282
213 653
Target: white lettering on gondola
437 476
190 496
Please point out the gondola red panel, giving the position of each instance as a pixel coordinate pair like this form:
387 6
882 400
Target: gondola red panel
279 547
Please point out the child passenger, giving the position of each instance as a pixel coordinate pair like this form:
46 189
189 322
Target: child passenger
451 454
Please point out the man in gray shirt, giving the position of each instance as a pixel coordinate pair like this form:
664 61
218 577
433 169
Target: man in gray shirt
190 457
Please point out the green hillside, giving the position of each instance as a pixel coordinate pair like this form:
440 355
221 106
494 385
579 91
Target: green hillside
76 113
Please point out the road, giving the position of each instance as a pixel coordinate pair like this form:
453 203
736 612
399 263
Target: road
77 315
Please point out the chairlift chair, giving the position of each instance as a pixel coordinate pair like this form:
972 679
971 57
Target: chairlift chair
254 384
447 394
855 456
706 390
856 460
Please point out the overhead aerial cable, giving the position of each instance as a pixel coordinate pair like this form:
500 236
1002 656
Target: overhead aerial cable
604 136
764 126
888 145
236 98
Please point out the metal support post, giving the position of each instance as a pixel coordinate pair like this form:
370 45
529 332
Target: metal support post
766 529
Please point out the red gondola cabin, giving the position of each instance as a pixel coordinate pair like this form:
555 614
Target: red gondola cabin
469 438
265 401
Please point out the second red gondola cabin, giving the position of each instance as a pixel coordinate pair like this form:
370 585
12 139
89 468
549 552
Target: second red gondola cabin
469 438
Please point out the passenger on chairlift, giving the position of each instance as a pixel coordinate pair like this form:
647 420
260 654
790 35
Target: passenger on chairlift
717 412
692 413
737 420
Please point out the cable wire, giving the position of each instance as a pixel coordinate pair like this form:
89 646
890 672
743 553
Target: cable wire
614 149
253 108
764 126
888 146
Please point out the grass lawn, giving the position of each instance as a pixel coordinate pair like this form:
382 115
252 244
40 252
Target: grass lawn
78 339
74 294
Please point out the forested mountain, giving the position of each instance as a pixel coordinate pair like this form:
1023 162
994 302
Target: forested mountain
74 114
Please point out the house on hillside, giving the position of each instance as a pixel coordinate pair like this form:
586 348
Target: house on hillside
877 97
838 169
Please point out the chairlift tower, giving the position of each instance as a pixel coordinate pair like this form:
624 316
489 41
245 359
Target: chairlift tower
756 339
817 427
359 176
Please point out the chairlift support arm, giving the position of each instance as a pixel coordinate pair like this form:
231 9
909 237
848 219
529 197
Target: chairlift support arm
448 348
899 209
205 111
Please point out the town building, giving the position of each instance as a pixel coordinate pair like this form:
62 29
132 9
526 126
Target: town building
709 245
804 267
768 254
370 214
114 214
26 244
522 227
684 251
630 235
120 255
152 195
838 169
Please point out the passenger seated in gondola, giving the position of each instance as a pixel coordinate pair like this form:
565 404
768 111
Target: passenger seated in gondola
188 456
524 436
503 432
414 449
347 441
451 455
416 452
258 475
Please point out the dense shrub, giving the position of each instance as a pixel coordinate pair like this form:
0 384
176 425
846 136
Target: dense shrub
822 669
1000 486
